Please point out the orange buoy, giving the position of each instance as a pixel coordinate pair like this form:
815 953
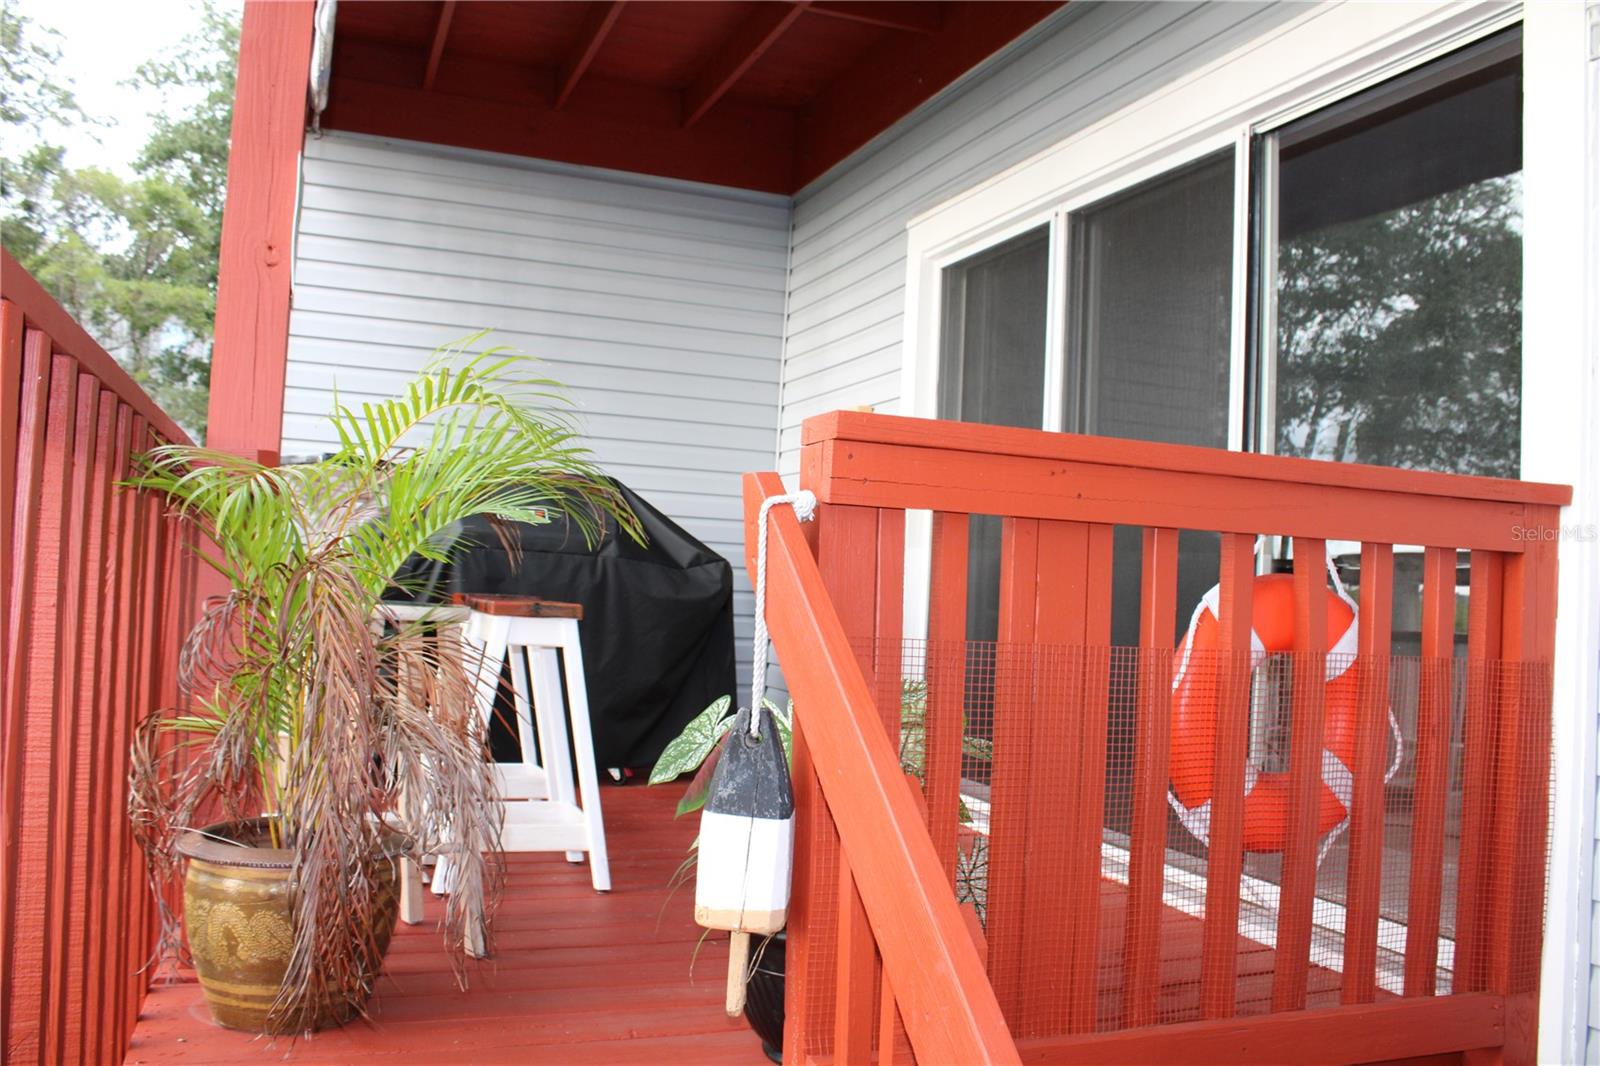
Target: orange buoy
1196 689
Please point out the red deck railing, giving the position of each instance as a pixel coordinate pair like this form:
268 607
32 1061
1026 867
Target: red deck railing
96 589
1110 932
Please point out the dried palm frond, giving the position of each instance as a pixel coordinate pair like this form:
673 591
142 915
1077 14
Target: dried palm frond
305 711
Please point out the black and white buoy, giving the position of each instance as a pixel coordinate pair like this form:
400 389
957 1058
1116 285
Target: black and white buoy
747 825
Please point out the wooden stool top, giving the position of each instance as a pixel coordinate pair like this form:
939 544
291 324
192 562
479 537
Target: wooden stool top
506 605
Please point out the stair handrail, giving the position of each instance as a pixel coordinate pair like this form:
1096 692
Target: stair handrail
945 998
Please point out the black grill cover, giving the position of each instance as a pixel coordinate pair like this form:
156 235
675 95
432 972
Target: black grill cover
657 629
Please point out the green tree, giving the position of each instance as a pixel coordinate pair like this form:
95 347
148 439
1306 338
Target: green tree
133 258
1400 335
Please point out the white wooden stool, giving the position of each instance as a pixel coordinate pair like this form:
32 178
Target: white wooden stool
542 810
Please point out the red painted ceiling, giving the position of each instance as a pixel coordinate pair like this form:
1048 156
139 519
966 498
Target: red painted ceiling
761 95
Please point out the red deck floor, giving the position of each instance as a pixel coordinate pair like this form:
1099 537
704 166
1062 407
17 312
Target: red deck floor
579 977
588 978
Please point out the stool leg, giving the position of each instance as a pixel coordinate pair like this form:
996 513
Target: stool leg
583 755
538 777
410 874
550 712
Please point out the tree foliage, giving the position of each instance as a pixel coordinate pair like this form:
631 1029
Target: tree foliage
134 258
1400 335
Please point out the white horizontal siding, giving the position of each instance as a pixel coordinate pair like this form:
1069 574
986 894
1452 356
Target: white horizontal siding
659 305
847 274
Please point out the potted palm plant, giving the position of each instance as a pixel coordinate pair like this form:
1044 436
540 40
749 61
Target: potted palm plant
305 721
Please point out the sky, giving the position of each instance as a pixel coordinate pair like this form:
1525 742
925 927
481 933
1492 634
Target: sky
102 42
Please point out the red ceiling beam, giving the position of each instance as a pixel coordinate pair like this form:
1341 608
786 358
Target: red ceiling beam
441 30
738 54
890 14
595 29
888 82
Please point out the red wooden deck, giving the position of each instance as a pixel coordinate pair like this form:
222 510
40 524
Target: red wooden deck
579 977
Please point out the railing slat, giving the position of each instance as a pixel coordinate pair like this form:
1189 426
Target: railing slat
887 630
19 938
77 733
1090 709
947 683
1292 955
855 995
115 695
1225 853
1006 909
1365 868
1141 945
1432 770
1477 762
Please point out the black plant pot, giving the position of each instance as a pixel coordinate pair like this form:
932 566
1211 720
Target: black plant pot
763 997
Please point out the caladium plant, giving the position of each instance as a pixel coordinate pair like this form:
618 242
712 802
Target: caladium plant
697 748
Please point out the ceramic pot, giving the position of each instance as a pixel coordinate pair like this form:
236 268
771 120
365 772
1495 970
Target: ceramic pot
236 916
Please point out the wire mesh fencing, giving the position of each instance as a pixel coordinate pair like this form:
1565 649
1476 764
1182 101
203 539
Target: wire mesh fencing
1148 836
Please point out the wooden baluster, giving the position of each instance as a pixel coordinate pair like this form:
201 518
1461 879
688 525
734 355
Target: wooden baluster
86 721
1292 957
1091 707
1013 742
1365 868
1225 853
855 991
1432 770
33 575
119 708
946 674
1483 649
1141 945
888 633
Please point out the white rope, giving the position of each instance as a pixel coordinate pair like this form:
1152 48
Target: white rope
804 503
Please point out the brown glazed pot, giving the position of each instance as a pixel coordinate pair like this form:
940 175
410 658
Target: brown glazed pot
236 916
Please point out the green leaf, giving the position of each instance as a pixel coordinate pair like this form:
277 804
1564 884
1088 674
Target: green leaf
689 749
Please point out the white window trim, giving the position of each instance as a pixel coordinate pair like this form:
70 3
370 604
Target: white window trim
1329 52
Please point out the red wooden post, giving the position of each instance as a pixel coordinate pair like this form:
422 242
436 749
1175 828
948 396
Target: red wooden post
1141 945
1225 853
1292 957
1365 869
1006 909
252 328
1484 615
946 677
1432 770
1056 737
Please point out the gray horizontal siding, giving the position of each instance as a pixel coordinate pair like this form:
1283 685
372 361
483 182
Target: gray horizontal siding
658 304
847 275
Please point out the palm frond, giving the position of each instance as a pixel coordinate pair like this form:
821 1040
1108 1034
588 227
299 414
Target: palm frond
300 705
